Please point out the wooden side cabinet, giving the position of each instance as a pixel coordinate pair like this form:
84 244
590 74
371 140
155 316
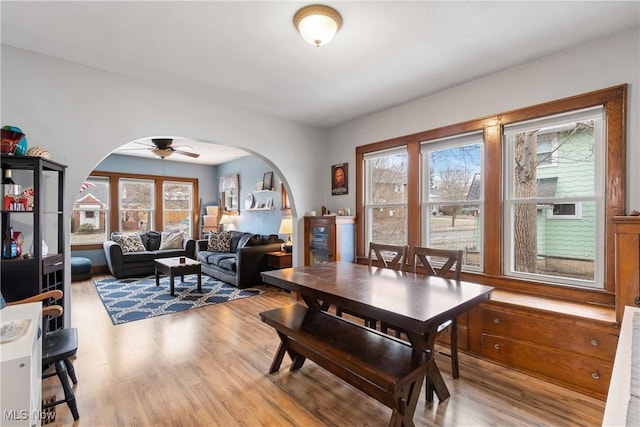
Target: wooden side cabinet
329 238
627 262
565 350
279 259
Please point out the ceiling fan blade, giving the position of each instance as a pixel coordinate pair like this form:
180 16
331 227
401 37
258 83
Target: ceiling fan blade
135 149
187 153
144 143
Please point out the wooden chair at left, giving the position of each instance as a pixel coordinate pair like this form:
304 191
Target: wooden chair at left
58 347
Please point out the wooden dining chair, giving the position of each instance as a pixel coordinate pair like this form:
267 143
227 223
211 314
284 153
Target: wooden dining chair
58 347
422 263
383 255
388 256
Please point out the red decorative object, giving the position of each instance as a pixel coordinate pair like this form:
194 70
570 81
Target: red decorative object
17 236
10 140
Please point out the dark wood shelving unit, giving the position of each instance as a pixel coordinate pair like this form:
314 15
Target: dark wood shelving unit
25 277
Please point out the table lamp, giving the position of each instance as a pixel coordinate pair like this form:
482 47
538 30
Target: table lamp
286 227
226 222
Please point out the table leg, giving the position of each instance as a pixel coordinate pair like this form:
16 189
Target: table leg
171 285
157 277
434 380
199 281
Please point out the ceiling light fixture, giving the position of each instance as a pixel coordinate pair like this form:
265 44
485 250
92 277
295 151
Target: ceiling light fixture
317 23
162 152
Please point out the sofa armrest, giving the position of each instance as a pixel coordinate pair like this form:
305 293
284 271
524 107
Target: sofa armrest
250 262
201 245
189 246
114 257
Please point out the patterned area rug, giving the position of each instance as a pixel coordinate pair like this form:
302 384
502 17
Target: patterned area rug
127 300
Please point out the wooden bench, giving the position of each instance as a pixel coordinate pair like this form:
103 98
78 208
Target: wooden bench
381 366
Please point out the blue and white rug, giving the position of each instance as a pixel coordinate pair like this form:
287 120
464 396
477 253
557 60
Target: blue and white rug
127 300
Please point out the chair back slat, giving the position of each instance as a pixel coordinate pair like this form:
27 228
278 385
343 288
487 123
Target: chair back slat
396 255
453 261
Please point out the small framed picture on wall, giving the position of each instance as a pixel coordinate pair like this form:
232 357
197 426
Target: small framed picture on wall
267 181
339 179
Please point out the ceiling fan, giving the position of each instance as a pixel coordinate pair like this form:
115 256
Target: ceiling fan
162 148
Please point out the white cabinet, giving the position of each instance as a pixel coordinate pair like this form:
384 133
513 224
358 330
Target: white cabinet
21 369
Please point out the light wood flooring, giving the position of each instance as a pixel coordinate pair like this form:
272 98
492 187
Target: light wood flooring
209 367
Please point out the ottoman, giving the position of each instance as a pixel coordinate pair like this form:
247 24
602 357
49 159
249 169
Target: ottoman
80 268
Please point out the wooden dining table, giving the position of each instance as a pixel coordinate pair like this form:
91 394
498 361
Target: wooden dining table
415 303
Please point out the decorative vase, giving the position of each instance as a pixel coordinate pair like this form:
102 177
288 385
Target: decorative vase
45 249
19 238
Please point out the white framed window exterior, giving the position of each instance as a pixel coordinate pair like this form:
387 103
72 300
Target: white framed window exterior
452 196
546 150
565 211
177 206
386 197
537 245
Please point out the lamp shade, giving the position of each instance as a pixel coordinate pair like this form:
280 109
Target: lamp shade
286 226
226 219
317 24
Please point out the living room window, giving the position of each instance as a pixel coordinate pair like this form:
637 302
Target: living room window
137 205
177 206
452 195
90 214
538 187
128 203
386 197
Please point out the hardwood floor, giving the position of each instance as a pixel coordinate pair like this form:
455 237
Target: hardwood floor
209 366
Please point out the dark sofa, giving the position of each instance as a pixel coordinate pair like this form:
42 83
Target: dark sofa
244 262
130 264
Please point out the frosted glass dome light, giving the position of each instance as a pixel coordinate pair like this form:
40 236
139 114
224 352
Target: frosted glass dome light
317 24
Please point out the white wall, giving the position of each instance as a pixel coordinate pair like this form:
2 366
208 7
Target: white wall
593 66
80 115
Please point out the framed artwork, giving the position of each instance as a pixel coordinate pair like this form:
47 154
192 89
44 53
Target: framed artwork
267 181
339 179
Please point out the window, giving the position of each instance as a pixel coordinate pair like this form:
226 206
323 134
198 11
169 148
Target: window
565 211
538 246
136 205
90 214
546 154
178 206
452 195
386 197
528 194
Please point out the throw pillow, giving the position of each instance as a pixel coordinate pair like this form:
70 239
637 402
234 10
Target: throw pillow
219 242
171 240
130 242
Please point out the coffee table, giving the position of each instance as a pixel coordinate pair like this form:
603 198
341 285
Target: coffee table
172 267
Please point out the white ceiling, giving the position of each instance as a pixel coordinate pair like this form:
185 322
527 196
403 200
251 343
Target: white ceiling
248 54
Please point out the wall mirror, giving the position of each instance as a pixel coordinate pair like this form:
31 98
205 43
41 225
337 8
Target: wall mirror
229 188
230 200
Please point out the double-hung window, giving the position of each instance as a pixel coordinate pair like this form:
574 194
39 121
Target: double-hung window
177 206
137 204
554 208
90 215
386 197
452 195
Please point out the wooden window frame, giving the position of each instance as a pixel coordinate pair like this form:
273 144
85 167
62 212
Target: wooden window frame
614 100
114 222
